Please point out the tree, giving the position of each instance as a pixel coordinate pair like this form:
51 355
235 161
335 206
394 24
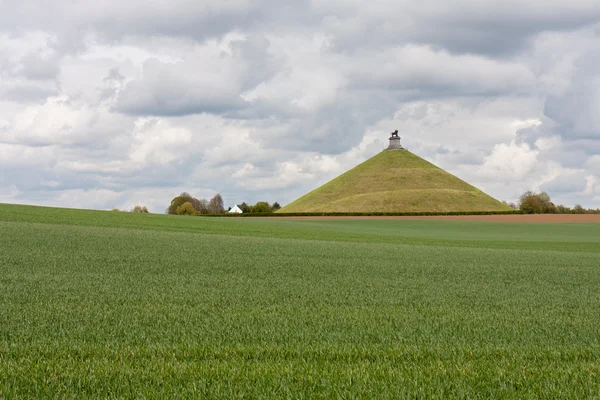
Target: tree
547 206
245 207
215 205
186 208
536 203
178 201
275 207
510 204
530 203
202 206
578 209
140 209
261 207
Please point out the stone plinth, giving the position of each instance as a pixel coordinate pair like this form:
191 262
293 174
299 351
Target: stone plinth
395 144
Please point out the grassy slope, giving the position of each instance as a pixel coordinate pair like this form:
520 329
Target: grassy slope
100 304
395 181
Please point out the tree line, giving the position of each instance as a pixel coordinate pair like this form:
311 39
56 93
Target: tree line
261 207
135 209
540 203
186 204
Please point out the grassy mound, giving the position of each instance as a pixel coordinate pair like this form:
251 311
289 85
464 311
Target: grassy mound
395 181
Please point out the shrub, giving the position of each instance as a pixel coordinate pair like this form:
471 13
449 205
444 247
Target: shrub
536 203
186 209
261 207
530 203
178 201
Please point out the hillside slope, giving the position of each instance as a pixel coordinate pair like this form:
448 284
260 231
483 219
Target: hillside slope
395 181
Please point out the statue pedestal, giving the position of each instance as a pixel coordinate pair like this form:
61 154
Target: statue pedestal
395 144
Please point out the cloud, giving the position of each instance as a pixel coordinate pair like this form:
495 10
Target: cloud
209 79
63 121
484 27
421 71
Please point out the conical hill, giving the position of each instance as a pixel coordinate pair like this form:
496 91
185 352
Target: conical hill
395 181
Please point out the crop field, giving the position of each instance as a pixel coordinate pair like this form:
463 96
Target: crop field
118 305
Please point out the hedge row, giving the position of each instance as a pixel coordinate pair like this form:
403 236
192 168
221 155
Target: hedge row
365 214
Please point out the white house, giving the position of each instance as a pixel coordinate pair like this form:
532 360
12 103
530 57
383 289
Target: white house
235 210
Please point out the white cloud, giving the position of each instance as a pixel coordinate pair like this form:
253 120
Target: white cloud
509 162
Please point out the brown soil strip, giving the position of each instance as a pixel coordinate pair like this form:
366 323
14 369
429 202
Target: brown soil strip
487 218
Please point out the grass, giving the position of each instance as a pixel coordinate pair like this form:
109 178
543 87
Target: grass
395 181
101 304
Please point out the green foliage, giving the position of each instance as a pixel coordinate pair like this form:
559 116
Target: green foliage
261 207
200 205
186 209
178 201
536 203
245 207
395 181
164 307
140 209
530 203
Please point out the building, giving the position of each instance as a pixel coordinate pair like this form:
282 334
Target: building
235 210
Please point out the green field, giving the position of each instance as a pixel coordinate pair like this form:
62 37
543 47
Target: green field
395 181
118 305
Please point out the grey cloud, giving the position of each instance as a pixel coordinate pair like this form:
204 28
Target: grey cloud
37 67
169 90
112 83
485 27
112 20
332 128
566 183
423 72
27 92
206 81
572 115
576 111
530 134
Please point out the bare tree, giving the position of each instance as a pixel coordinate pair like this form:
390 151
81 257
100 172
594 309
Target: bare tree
216 205
202 206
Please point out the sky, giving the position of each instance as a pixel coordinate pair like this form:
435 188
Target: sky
108 104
